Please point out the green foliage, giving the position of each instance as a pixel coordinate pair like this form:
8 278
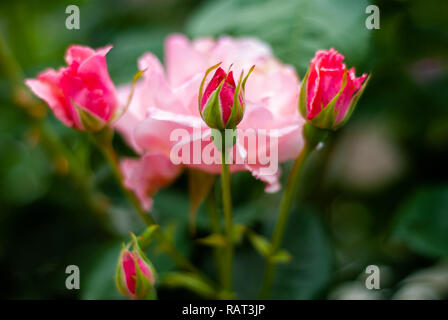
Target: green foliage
56 211
305 276
294 28
422 223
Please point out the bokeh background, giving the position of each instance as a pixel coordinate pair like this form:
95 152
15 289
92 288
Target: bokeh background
377 194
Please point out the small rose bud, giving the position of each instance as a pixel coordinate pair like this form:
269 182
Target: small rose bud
222 104
135 276
81 95
329 91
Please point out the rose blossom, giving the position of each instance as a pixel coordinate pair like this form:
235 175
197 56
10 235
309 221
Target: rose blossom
83 85
330 91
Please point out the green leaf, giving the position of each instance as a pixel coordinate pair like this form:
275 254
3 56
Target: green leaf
310 269
261 244
282 256
145 238
213 240
97 279
238 232
188 281
294 28
422 222
304 277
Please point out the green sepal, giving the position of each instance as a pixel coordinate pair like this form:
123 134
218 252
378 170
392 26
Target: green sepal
122 111
327 116
353 104
119 278
144 288
202 85
247 76
302 96
142 284
139 252
89 121
212 111
237 112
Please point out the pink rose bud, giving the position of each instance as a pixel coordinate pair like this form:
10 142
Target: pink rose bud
81 95
135 275
329 91
222 104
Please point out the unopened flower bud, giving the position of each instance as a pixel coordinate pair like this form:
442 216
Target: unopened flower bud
222 104
135 276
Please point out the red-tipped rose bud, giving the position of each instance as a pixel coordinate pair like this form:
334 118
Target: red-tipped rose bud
222 104
81 95
135 276
329 91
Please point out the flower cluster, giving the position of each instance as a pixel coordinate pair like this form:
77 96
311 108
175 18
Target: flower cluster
82 96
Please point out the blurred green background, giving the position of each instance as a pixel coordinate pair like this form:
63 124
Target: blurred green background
377 194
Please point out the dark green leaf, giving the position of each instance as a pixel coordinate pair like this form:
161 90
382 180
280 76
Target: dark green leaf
423 222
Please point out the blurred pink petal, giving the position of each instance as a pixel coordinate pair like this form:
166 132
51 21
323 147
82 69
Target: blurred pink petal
145 176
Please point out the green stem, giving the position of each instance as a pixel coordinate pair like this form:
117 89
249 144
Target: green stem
216 229
104 142
227 208
106 147
285 208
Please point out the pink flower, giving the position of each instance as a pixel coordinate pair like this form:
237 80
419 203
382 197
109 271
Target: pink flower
167 99
330 87
81 95
145 176
135 276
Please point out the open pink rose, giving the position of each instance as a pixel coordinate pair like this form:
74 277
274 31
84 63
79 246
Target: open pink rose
329 79
167 99
83 85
